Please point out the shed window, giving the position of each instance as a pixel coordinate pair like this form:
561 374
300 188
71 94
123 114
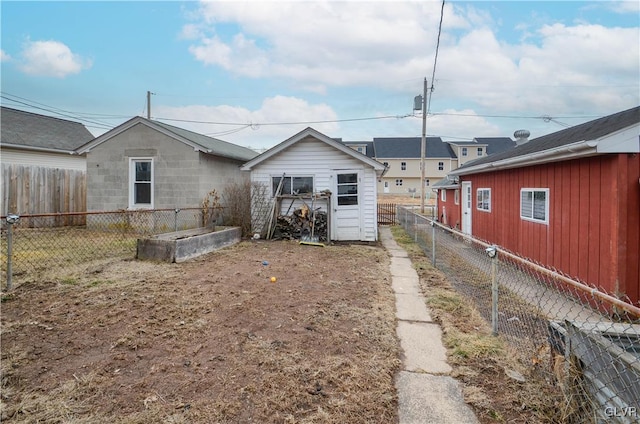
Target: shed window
534 204
443 195
456 197
140 183
293 185
483 198
347 189
403 166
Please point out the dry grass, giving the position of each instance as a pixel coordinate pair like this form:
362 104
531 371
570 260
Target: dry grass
485 364
206 341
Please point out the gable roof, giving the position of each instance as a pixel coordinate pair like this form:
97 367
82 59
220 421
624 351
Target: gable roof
617 133
31 131
310 132
199 142
410 147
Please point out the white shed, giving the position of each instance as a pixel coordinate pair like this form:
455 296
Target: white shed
312 162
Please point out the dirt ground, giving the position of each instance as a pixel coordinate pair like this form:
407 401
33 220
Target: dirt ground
209 340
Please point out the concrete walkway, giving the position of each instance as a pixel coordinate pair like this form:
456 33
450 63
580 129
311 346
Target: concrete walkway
426 392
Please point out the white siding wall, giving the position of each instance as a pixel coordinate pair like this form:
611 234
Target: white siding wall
316 158
47 160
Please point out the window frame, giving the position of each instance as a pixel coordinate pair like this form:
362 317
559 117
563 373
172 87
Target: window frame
398 181
456 196
465 152
274 185
532 218
480 151
403 166
443 195
440 166
480 200
132 183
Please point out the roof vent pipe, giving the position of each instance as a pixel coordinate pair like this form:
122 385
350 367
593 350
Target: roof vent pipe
522 136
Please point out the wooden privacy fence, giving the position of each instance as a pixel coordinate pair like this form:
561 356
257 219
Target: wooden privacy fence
387 214
40 190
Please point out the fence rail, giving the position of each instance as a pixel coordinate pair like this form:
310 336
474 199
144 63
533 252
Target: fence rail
553 322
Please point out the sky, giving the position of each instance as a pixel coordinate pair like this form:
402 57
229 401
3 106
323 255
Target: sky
256 73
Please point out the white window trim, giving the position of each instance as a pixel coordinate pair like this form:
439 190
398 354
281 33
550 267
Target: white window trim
483 189
443 195
132 180
464 151
403 166
456 196
546 205
313 182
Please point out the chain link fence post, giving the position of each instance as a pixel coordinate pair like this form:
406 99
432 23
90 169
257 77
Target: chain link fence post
11 220
492 251
175 219
433 243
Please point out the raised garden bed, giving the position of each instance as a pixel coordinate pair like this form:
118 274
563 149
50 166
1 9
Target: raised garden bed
180 246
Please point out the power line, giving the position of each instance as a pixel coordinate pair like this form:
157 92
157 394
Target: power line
265 124
435 59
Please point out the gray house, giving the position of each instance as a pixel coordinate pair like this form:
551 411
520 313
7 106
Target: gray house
145 164
40 171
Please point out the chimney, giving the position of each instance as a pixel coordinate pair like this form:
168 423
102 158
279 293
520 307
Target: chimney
522 136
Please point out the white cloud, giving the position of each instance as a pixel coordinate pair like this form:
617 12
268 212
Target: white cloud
4 56
253 125
623 6
51 58
542 68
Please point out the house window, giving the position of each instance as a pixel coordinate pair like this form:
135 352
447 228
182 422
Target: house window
534 204
443 195
141 183
440 166
427 183
483 196
361 149
464 151
386 164
292 185
399 182
479 151
456 197
403 166
347 189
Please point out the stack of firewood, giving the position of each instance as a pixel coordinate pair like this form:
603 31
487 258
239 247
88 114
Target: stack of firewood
300 225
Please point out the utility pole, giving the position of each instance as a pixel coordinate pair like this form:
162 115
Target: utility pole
148 104
423 145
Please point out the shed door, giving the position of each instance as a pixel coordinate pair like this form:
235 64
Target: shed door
466 207
347 222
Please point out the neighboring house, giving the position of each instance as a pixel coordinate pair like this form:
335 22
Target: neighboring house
311 163
145 164
569 200
467 151
402 156
40 171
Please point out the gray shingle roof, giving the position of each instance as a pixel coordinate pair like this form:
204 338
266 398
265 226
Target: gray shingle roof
213 145
496 144
409 147
591 130
20 128
370 151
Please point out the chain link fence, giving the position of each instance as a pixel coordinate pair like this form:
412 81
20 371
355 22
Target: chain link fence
33 245
570 334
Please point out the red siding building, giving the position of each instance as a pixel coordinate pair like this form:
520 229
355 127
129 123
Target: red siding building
568 200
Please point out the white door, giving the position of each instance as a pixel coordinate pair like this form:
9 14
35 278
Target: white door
346 220
466 207
386 186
